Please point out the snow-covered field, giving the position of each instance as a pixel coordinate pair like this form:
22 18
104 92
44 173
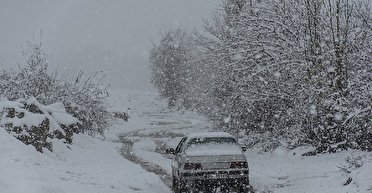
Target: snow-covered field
95 165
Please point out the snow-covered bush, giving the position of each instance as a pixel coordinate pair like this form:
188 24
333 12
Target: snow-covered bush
83 96
35 124
121 115
352 163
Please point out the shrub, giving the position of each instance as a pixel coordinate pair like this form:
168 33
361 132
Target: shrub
83 96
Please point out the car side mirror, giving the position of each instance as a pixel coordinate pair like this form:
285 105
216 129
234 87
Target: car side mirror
244 148
170 151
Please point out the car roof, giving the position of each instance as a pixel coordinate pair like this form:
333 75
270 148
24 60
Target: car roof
209 134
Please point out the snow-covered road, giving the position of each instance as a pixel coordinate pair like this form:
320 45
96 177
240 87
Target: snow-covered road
151 128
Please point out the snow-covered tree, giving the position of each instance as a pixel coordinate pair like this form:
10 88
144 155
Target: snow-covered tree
293 70
170 72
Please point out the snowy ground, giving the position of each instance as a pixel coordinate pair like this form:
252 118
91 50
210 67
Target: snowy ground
90 165
131 158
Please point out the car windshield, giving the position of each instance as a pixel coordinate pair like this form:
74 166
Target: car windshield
212 146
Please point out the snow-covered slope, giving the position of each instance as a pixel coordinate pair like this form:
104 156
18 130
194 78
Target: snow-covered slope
90 165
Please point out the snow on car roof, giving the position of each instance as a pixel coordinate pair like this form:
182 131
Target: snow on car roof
209 134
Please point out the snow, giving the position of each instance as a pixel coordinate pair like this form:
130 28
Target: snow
213 149
208 134
55 113
146 147
29 119
4 103
95 165
280 171
58 112
89 165
92 165
288 171
227 119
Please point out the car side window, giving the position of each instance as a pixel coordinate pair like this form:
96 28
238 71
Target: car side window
179 146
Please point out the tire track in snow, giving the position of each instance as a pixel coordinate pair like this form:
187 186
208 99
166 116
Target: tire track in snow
162 127
127 152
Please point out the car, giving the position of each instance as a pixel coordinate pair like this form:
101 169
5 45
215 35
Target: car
209 160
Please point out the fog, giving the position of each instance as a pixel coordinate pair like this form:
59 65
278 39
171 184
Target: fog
109 35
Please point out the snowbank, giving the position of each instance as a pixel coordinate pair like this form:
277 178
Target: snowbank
362 176
90 165
286 171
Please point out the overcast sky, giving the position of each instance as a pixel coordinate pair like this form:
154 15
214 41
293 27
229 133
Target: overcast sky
110 35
